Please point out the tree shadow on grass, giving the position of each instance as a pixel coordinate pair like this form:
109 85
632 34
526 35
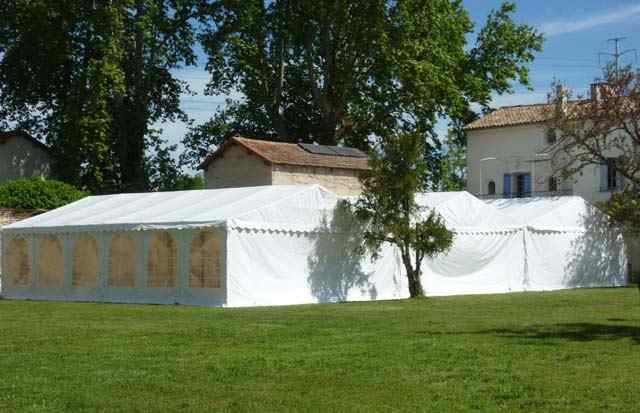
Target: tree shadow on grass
335 265
545 335
581 332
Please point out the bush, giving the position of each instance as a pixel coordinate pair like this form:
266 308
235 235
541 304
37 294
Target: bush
38 193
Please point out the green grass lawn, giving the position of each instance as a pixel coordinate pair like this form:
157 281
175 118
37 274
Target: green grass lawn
575 350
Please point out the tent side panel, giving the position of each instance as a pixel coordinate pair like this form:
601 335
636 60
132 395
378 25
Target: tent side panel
204 260
17 270
281 268
161 261
152 267
560 260
85 262
50 262
478 263
122 267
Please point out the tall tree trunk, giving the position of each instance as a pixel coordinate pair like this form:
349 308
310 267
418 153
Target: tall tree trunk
132 163
413 275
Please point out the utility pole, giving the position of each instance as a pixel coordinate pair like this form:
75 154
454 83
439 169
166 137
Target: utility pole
617 54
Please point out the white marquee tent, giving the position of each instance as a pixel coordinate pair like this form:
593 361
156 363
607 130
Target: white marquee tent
569 243
269 245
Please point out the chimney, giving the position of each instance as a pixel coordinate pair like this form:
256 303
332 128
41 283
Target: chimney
598 89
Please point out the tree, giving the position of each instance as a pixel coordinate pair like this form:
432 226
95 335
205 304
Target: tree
90 77
388 206
337 71
604 129
164 173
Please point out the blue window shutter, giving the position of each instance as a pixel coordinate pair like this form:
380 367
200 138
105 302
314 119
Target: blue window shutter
527 183
506 184
603 177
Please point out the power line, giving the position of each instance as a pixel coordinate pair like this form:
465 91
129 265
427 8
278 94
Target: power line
617 54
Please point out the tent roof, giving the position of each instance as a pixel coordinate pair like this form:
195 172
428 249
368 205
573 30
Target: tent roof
463 210
549 213
285 207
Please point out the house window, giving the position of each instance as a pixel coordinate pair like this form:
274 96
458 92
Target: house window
609 178
523 185
492 188
551 136
553 184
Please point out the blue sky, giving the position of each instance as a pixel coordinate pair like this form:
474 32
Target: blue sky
575 30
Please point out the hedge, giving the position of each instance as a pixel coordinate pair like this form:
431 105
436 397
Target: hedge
38 193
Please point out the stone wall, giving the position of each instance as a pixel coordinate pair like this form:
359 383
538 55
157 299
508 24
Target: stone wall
9 216
237 167
340 181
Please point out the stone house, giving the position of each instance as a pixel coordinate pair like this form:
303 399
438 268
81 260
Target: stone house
509 155
22 156
240 162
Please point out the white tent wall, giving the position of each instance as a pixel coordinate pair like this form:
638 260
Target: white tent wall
480 262
306 267
575 259
569 243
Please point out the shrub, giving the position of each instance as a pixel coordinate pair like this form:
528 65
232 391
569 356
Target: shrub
38 193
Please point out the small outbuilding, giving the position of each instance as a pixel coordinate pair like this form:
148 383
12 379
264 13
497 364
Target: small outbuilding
241 162
22 156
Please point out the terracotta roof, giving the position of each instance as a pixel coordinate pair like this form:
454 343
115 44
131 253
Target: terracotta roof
282 153
511 116
5 136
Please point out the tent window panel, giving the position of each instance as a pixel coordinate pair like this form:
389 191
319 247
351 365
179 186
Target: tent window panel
18 264
122 262
84 271
51 262
204 261
161 261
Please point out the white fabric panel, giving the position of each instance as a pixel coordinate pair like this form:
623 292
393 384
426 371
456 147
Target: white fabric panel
574 259
478 263
302 269
564 213
463 210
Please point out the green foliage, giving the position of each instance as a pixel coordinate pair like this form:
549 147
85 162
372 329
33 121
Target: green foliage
388 205
561 351
37 193
343 71
624 210
163 170
450 171
89 78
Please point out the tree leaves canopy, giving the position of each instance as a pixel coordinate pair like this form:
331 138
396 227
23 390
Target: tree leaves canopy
337 71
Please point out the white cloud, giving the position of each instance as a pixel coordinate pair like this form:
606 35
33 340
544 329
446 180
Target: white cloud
569 26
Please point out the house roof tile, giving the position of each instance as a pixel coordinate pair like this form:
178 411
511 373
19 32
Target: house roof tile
283 153
511 116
